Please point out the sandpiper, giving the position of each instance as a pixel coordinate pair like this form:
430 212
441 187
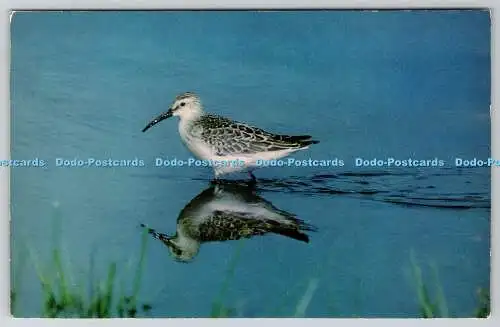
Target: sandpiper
226 212
227 142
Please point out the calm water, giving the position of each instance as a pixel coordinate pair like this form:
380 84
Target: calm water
367 84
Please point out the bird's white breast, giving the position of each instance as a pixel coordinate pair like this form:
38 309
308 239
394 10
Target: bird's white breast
190 134
191 137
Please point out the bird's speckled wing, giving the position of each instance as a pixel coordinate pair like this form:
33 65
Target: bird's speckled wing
225 226
227 137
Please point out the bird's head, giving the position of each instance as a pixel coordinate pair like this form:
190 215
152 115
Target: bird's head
182 250
186 106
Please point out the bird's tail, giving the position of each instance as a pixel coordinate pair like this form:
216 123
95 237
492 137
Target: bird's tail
293 233
300 140
294 230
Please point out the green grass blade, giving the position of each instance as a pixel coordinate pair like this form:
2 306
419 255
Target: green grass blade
426 306
140 266
484 309
441 300
109 288
218 309
302 305
16 276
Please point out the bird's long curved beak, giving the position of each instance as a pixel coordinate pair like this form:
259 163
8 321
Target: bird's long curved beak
163 116
159 236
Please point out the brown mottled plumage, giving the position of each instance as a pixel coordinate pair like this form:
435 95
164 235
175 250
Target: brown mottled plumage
229 212
212 137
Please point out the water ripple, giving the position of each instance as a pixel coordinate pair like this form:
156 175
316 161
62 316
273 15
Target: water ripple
443 188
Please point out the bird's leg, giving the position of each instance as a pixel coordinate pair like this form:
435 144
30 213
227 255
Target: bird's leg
217 177
253 180
215 180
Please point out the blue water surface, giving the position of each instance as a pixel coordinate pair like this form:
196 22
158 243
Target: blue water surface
402 84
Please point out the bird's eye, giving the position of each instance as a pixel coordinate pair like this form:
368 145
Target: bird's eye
183 104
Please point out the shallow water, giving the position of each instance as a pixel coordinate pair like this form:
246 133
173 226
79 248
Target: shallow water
366 84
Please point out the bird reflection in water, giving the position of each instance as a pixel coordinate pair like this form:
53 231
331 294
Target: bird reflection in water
224 212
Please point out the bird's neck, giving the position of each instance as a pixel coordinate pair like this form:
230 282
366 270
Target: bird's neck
186 243
191 115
